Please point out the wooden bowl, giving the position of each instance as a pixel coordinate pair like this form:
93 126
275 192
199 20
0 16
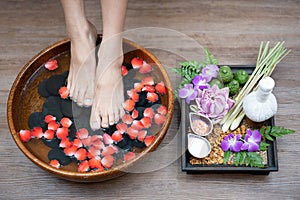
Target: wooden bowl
24 100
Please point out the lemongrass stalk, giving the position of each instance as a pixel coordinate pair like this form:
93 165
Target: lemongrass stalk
237 120
267 60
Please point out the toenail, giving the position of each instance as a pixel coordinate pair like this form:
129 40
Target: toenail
104 125
88 101
111 123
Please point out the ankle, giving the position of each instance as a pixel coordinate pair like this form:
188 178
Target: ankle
78 30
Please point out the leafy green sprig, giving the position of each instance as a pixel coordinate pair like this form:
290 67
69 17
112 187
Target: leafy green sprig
254 159
190 69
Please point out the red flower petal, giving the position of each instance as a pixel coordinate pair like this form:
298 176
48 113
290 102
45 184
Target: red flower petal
82 133
161 88
149 112
55 163
129 105
152 96
64 92
80 154
25 135
53 126
49 118
124 70
145 68
146 121
49 134
159 119
66 122
129 156
62 132
162 110
84 166
37 132
137 63
149 140
51 65
107 161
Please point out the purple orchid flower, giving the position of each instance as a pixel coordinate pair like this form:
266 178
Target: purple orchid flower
200 82
232 142
210 71
188 92
251 141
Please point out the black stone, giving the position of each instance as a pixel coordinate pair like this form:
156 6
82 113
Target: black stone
52 107
54 83
142 99
110 129
124 142
36 119
65 74
72 132
141 112
151 104
54 143
58 154
66 107
128 66
42 90
138 143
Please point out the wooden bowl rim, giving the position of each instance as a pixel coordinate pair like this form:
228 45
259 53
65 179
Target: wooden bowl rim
77 176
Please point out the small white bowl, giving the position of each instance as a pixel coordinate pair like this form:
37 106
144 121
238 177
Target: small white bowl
208 124
198 146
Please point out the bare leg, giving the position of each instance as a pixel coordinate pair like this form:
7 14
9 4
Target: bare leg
83 62
108 98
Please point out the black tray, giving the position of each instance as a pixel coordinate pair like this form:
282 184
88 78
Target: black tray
272 161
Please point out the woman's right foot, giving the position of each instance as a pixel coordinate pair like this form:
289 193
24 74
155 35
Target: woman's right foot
83 64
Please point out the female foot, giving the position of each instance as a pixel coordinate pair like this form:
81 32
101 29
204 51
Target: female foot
83 64
108 98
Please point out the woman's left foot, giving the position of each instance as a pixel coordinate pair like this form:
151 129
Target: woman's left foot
108 97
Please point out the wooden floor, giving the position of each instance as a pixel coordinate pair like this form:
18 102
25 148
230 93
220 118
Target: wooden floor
231 29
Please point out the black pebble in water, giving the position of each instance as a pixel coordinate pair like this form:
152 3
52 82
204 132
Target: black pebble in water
54 143
142 99
72 132
54 83
58 154
110 129
36 119
128 66
66 107
65 74
138 143
141 112
151 104
124 141
52 107
42 90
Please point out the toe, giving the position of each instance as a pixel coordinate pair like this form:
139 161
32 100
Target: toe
80 97
95 119
104 120
117 116
87 102
111 118
122 112
88 99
